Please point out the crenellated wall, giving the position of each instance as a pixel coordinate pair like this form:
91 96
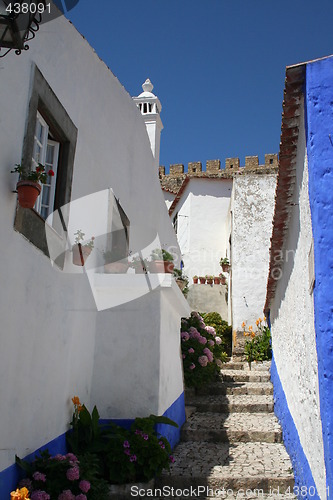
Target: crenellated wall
173 180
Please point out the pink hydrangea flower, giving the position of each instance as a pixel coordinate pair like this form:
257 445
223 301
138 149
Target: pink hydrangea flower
184 356
191 350
185 336
81 496
203 360
210 329
42 495
126 444
171 458
72 457
162 445
73 474
38 476
218 340
66 495
209 354
59 457
202 340
192 366
133 458
211 342
145 437
194 334
127 451
84 486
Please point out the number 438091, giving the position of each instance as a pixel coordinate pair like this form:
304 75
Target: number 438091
28 8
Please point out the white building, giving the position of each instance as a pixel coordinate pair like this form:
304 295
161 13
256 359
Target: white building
69 330
221 213
299 298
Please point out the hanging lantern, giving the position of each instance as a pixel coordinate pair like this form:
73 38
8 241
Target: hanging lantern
19 22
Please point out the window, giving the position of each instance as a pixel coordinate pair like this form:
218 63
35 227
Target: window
175 223
46 152
50 139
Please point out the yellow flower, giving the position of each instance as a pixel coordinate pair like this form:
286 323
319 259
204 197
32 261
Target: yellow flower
257 322
246 334
250 328
79 408
243 324
260 320
253 335
264 318
76 401
21 494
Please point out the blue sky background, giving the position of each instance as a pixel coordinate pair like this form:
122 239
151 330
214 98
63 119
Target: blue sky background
218 66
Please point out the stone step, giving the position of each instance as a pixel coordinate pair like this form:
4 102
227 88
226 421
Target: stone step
243 365
232 403
255 466
245 376
233 427
235 388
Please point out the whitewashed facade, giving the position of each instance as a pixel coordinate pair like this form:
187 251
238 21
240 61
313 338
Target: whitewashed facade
56 342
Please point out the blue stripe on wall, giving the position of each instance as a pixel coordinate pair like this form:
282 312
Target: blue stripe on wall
319 132
302 471
11 476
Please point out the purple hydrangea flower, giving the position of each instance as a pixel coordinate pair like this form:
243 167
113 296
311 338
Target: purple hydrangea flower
211 342
126 444
38 476
73 474
84 486
66 495
203 360
145 437
59 457
192 366
127 451
81 496
162 445
41 495
210 329
218 340
72 457
191 350
171 458
202 340
185 336
133 458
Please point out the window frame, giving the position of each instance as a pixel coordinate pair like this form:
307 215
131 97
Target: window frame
43 100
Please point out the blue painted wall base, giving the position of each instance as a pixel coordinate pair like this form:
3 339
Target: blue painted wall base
302 471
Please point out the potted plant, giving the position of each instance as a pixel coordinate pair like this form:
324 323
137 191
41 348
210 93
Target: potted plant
224 263
195 279
81 251
202 280
217 280
181 280
162 261
222 279
209 279
115 262
139 265
28 186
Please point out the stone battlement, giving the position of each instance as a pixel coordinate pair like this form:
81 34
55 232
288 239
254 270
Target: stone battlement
174 179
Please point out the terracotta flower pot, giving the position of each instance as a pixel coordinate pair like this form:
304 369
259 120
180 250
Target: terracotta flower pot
223 280
195 280
28 192
161 266
225 268
116 268
202 280
209 281
80 254
217 281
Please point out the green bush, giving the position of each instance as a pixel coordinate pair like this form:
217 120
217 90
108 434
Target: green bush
259 347
202 351
223 330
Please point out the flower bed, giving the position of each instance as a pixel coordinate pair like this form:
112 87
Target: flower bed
202 351
100 455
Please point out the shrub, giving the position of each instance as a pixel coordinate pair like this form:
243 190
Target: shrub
202 351
223 330
259 347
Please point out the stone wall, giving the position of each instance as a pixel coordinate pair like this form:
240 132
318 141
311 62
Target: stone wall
174 179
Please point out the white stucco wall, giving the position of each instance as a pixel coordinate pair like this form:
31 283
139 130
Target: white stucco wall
293 331
202 213
49 318
252 213
168 197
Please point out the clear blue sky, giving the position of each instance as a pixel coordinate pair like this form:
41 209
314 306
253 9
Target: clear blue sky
218 66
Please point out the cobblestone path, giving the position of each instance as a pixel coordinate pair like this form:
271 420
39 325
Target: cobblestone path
231 445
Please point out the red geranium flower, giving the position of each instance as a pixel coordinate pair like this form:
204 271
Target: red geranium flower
51 173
